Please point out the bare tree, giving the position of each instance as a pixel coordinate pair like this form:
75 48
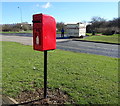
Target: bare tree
100 25
60 25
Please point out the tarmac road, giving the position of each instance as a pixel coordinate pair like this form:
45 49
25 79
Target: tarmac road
24 34
90 47
110 50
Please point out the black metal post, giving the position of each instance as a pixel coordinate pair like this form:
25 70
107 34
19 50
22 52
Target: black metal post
45 74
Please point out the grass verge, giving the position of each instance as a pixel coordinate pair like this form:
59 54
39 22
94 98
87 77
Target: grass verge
18 32
105 38
87 78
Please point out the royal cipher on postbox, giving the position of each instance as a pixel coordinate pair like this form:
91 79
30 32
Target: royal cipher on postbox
44 32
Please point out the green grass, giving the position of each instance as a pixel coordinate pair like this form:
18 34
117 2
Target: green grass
87 78
60 32
105 38
90 34
18 32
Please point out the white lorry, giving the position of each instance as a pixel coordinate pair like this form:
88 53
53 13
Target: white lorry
76 29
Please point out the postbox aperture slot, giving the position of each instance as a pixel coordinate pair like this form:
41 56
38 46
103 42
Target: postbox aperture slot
36 21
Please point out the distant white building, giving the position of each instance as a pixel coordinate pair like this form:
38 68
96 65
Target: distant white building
76 29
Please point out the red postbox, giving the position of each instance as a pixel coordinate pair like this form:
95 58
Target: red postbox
44 32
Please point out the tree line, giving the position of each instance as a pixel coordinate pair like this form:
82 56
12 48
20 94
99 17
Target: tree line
98 25
16 27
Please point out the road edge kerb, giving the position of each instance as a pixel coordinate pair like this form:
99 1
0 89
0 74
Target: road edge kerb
96 42
13 100
9 100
